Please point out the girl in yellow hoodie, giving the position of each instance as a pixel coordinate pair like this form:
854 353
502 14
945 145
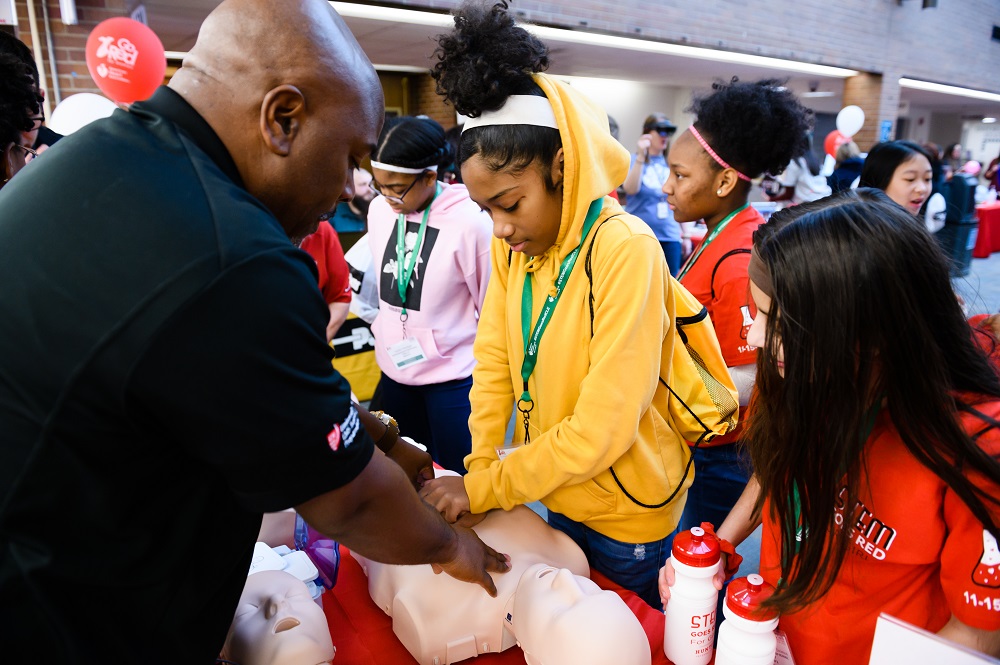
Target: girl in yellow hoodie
577 316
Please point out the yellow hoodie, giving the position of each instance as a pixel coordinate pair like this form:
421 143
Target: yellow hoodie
598 403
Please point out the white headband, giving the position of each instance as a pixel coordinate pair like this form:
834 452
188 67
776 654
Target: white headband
402 169
517 110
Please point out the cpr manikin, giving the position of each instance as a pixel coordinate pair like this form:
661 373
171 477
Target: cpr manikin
545 603
278 623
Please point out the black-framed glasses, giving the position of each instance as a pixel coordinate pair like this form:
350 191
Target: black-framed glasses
391 196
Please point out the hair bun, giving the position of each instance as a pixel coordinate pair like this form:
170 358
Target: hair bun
486 58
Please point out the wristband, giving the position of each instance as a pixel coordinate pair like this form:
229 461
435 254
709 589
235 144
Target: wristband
733 560
390 425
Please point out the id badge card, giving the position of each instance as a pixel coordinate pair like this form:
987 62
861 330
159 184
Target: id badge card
503 452
783 654
662 211
407 353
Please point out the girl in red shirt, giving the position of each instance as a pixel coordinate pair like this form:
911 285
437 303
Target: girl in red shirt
874 435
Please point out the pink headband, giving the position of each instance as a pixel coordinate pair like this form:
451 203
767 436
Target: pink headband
721 162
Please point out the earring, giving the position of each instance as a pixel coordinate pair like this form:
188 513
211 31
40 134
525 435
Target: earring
719 193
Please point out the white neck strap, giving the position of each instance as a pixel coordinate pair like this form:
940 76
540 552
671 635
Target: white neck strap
517 110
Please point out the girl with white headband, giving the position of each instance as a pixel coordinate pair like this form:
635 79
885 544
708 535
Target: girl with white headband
741 130
431 246
577 314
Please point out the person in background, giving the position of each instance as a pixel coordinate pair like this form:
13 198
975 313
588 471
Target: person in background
952 160
350 219
902 169
588 283
39 137
450 173
992 174
847 168
875 435
643 186
166 376
19 104
801 181
430 245
334 275
741 130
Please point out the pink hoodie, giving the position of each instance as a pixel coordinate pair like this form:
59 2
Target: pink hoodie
447 287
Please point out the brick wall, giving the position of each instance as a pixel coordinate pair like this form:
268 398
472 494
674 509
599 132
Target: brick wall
950 43
69 42
428 102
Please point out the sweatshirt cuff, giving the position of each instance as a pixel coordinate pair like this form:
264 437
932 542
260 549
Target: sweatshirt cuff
479 487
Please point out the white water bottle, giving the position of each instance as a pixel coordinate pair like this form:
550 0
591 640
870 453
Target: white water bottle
689 622
746 637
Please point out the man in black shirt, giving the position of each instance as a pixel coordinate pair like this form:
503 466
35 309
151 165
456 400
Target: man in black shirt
164 373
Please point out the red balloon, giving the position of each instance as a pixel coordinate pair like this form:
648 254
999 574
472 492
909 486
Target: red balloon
833 141
126 59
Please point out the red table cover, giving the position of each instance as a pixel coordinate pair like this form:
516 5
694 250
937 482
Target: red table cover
988 239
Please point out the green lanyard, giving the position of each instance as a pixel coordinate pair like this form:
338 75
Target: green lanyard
404 269
533 338
797 531
711 236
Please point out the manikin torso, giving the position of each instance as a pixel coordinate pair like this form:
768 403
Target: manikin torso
441 620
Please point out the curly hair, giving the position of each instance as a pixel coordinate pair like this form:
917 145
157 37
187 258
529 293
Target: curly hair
757 127
483 61
19 98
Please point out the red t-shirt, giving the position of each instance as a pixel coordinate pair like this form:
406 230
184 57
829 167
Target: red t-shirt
918 554
334 275
718 279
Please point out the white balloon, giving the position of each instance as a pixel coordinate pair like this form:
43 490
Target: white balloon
850 120
78 110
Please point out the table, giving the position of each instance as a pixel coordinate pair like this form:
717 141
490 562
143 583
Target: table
363 633
988 239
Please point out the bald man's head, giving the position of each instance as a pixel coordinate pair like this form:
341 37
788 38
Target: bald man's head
292 96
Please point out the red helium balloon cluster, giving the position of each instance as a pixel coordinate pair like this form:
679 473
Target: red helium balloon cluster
126 59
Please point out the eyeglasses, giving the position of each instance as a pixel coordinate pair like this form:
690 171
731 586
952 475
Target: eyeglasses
27 151
391 196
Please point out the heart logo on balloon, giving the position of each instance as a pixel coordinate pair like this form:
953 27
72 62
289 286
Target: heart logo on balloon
126 59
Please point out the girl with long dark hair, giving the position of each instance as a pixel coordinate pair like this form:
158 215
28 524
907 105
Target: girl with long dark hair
874 434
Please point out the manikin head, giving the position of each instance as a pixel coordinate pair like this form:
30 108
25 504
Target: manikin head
278 623
564 619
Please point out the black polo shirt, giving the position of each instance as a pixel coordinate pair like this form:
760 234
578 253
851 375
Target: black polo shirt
164 379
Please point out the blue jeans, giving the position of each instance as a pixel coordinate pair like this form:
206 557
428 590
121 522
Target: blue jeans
672 251
436 415
720 474
633 566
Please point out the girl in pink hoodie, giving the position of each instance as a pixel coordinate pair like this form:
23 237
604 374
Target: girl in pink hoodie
430 244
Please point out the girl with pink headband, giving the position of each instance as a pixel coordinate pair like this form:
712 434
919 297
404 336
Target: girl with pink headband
741 130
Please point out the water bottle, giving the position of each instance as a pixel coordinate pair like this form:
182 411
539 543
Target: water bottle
689 622
746 637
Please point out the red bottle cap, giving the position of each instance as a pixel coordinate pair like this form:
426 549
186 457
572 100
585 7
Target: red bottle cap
696 548
745 596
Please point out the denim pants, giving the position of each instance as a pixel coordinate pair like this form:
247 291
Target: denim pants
720 474
672 252
436 415
633 566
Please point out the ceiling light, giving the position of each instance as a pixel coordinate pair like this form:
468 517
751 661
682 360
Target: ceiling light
948 89
376 13
819 93
989 120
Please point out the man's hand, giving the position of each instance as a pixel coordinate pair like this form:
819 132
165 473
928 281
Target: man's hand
448 496
473 560
416 463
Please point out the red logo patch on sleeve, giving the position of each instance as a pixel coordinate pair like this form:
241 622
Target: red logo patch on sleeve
333 438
